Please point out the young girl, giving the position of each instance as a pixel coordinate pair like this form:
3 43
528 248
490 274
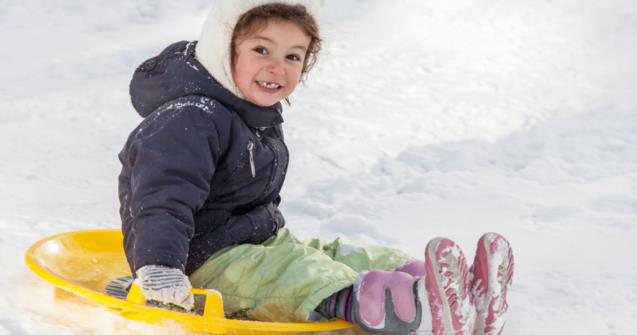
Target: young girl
199 193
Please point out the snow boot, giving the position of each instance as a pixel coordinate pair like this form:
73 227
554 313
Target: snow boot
386 302
491 275
415 268
447 286
437 303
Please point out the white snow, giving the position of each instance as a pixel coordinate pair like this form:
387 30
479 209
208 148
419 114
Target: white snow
421 119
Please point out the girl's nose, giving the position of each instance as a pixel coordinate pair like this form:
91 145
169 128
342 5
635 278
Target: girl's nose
276 67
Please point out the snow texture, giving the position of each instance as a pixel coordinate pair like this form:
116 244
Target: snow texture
421 119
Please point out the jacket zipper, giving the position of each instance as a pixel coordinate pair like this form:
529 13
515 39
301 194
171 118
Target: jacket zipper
251 154
278 167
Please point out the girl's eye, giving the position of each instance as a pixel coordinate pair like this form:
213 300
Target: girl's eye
294 57
260 50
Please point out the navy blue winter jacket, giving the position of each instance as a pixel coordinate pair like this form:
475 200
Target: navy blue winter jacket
202 171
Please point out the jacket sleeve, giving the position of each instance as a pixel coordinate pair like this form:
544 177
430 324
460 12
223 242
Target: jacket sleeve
172 159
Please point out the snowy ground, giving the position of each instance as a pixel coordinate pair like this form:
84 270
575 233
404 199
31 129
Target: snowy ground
422 119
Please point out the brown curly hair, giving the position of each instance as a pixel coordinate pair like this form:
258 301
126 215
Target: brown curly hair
257 18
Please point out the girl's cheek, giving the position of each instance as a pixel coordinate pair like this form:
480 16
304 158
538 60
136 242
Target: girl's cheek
296 73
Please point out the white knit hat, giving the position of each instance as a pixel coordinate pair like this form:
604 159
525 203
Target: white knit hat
213 48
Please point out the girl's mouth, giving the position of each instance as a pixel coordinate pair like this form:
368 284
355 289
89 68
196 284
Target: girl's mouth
269 85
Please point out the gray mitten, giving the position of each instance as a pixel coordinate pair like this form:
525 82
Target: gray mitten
167 286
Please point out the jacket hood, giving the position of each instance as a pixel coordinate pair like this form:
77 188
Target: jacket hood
213 50
175 73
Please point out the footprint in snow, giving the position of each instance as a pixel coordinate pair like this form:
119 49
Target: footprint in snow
552 214
616 204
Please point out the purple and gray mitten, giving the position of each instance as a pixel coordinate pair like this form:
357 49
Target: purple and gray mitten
386 302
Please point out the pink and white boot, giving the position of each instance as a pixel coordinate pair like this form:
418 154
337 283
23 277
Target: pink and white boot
491 275
446 283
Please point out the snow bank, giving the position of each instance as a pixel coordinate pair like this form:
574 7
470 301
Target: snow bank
421 119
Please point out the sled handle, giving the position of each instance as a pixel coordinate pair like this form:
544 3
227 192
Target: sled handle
213 306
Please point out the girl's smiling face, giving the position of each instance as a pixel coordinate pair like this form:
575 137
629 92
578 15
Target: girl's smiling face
269 63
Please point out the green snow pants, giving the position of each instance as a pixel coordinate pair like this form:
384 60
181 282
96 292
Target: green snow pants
285 279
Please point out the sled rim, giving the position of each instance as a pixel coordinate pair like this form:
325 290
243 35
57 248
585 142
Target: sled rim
153 315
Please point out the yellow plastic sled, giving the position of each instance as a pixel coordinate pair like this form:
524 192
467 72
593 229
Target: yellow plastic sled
83 262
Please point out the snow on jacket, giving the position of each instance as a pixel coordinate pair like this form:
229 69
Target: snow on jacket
202 171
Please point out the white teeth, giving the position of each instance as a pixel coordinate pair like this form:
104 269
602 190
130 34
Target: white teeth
268 85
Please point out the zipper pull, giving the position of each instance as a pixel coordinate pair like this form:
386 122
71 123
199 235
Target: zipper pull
251 154
260 130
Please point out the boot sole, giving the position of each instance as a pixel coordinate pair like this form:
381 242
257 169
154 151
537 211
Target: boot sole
485 244
433 283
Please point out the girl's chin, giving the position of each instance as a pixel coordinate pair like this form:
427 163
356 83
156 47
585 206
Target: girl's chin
264 101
